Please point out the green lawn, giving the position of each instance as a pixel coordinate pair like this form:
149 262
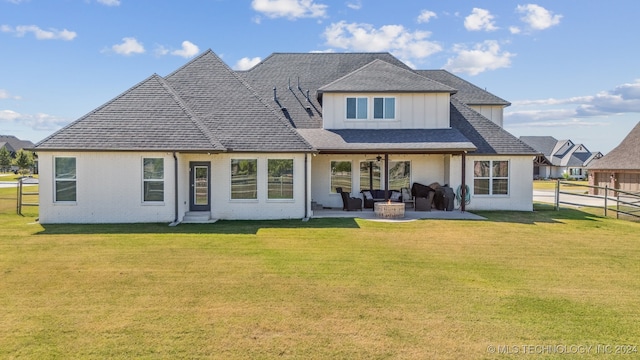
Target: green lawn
325 289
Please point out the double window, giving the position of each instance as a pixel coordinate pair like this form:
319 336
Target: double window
65 179
491 177
152 179
383 108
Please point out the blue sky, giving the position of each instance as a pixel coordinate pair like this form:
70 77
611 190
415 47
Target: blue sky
570 68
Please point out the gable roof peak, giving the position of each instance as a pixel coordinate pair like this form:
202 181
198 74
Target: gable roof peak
381 76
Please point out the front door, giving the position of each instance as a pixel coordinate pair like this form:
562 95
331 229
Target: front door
200 186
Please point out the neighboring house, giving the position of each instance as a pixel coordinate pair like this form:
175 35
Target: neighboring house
559 157
619 169
13 144
268 142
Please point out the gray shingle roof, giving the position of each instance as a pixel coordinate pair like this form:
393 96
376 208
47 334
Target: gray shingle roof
468 93
206 106
626 156
146 117
309 71
14 144
543 144
234 112
488 137
381 76
399 140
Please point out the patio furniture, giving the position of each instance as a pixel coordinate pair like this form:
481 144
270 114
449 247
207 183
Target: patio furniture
376 195
349 203
407 198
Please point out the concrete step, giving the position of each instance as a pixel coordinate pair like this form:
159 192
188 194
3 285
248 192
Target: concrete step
198 217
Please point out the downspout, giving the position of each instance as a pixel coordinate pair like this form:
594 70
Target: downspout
306 187
463 187
175 190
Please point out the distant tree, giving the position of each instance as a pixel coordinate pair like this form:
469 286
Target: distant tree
5 159
24 161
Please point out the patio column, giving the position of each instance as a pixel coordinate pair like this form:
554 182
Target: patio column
386 177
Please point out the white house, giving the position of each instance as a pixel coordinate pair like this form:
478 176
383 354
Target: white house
265 143
560 158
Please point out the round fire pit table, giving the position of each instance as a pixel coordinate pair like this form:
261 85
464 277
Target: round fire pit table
389 210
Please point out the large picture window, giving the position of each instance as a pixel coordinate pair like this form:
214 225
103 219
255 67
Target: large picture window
341 176
280 179
357 107
244 179
153 179
399 175
491 177
384 108
369 175
65 181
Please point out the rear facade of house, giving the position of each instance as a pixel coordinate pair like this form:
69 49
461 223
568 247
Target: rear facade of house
269 142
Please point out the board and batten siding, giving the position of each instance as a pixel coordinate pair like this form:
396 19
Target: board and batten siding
413 111
494 113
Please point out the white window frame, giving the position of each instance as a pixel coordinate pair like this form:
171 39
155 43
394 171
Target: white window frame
358 108
292 180
332 186
384 107
154 180
257 169
56 179
491 178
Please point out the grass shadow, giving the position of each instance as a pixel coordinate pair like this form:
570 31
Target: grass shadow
542 213
247 227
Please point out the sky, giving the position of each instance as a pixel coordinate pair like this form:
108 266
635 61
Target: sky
569 68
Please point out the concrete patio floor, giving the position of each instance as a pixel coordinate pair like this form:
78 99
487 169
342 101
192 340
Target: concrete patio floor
409 215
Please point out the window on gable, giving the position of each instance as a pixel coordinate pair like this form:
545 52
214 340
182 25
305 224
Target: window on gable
491 177
357 107
153 179
65 179
384 108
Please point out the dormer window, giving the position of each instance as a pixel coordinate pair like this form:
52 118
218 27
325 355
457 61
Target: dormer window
384 108
357 107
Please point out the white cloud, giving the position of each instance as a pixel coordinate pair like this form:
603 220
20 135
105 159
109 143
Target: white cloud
480 19
40 34
128 47
426 16
292 9
246 63
4 94
355 5
110 2
188 50
622 99
482 57
514 30
392 38
537 17
37 121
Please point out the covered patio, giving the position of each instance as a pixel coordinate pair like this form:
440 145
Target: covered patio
409 215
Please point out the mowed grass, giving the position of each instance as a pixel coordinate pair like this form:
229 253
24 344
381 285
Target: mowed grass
323 289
